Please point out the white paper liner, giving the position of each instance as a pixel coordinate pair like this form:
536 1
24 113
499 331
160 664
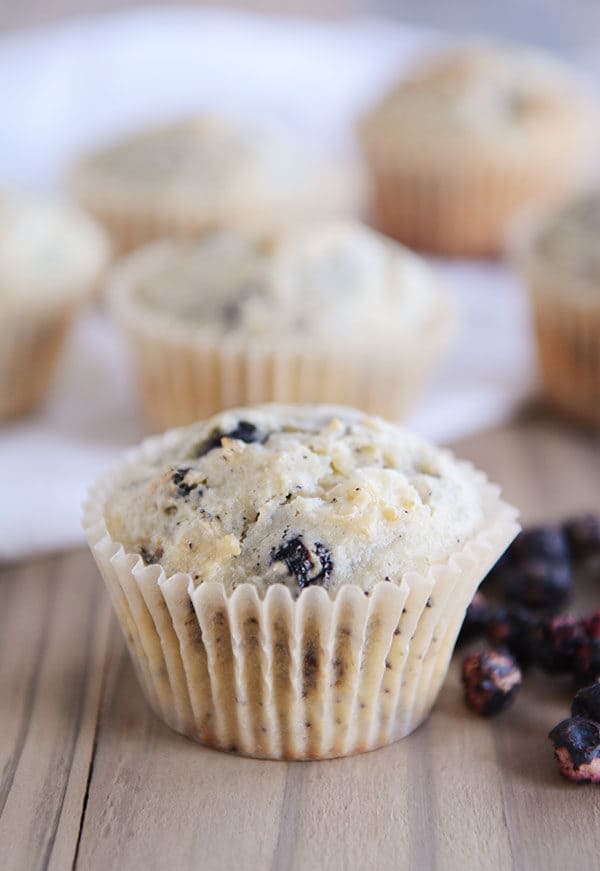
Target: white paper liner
186 375
278 678
30 346
463 209
34 324
568 338
566 315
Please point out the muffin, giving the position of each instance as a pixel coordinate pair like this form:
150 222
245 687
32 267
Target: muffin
51 259
207 172
469 138
334 313
291 580
559 257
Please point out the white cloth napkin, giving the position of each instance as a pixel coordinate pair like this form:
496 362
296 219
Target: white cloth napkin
66 87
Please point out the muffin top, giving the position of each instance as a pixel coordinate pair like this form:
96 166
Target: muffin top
297 495
47 251
500 97
335 280
211 165
568 240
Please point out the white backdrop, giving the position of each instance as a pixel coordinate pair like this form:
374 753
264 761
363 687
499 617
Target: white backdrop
68 86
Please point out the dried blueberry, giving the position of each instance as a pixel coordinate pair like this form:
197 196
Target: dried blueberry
587 703
591 626
513 629
244 432
491 680
583 535
547 543
307 566
539 583
587 662
476 619
555 643
577 749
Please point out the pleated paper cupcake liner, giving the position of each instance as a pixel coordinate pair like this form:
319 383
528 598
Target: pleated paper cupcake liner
312 678
185 375
460 209
180 381
30 346
567 326
566 319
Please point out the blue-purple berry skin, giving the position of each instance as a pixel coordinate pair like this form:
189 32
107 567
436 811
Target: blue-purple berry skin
580 738
513 629
540 584
556 641
587 703
491 679
583 534
587 662
548 543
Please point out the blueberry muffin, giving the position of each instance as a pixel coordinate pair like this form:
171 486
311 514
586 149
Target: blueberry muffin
51 259
334 313
206 172
291 579
559 257
471 136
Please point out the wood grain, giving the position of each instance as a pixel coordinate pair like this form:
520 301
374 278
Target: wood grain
90 779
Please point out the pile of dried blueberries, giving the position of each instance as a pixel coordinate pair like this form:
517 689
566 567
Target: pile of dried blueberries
534 579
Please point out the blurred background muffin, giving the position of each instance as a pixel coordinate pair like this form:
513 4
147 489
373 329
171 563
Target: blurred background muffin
334 313
51 259
560 260
471 136
205 172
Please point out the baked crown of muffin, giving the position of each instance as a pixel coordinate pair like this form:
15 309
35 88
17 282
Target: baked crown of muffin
295 495
47 250
334 281
207 163
506 97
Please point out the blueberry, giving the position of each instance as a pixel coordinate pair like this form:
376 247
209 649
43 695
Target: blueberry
513 629
583 535
306 566
245 432
577 748
587 703
591 625
547 543
491 680
539 583
555 643
587 662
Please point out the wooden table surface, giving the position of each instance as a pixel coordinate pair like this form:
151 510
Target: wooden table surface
91 779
